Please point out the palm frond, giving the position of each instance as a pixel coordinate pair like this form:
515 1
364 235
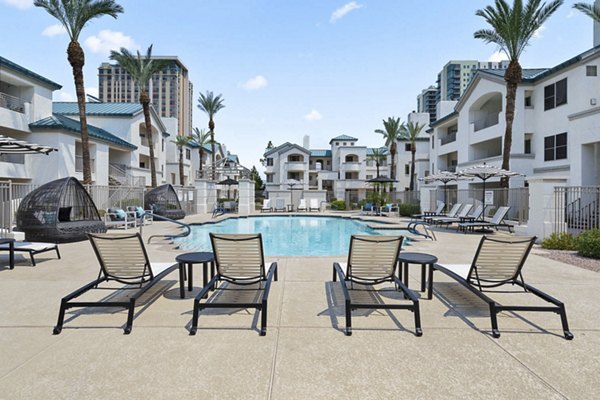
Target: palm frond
590 10
210 104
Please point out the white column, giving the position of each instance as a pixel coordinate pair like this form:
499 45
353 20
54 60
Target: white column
246 197
543 214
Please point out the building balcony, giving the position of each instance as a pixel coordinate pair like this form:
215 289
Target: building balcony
296 165
485 122
449 138
12 103
351 166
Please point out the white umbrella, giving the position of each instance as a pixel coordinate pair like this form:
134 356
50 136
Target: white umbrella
444 177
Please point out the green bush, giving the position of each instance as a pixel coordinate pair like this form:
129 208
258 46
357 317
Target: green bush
338 205
588 244
406 210
560 241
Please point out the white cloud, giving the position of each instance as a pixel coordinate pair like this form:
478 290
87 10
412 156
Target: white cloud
20 4
571 14
65 96
258 82
498 56
108 40
54 30
92 91
313 115
343 10
539 33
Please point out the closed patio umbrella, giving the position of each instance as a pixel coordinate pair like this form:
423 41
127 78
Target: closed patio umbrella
444 177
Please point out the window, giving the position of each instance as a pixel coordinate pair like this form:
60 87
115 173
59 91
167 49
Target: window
269 162
348 175
337 143
555 147
369 177
188 154
527 144
406 169
407 147
344 143
527 101
351 143
555 94
591 70
269 178
433 141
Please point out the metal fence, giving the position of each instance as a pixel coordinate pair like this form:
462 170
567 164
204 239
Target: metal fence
516 198
577 209
407 197
187 198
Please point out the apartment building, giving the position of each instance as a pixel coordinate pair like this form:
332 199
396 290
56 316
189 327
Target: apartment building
170 90
342 171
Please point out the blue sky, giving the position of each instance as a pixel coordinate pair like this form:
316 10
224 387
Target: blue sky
289 68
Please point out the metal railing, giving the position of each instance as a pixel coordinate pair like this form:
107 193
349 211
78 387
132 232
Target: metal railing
449 138
486 122
12 103
577 209
187 228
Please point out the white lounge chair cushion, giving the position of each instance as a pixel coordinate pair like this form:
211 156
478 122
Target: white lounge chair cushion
34 246
461 270
159 267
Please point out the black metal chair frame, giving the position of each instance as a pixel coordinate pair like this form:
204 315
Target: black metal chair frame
33 252
144 284
470 226
349 305
266 278
477 287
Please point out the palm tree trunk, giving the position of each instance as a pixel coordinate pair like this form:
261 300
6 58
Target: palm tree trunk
211 127
76 58
512 77
393 170
413 150
181 180
201 154
145 100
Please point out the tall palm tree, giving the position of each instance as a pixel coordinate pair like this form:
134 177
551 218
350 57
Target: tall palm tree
410 133
141 70
377 155
588 9
202 138
391 133
211 104
74 15
511 30
181 141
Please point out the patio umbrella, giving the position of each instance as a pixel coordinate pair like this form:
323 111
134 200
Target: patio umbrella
485 172
444 177
9 145
228 182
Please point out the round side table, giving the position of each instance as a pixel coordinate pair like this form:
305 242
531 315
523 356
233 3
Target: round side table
203 257
417 258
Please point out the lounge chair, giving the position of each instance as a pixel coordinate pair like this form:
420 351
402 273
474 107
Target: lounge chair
390 208
123 259
143 217
451 214
239 260
119 218
464 211
280 204
368 209
302 205
437 212
217 210
266 206
314 205
372 260
32 248
496 221
496 263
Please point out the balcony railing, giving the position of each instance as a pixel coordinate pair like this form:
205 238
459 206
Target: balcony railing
486 122
13 158
449 138
12 103
79 164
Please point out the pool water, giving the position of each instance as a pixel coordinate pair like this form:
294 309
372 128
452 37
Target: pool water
287 236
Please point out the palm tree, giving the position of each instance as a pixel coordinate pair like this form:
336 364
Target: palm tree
211 104
391 133
590 10
202 138
410 133
512 28
74 15
377 155
181 141
141 70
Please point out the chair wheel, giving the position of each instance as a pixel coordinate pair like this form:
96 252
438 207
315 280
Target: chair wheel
127 330
192 332
56 330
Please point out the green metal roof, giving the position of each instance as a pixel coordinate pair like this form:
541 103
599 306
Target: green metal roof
320 153
61 122
343 137
529 74
102 109
15 67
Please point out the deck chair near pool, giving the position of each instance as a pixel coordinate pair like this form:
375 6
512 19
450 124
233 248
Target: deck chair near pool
266 205
302 205
240 262
436 212
461 214
372 260
32 248
499 262
451 214
280 204
122 259
314 205
496 221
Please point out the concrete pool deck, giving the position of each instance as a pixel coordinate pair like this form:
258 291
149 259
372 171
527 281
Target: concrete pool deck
305 353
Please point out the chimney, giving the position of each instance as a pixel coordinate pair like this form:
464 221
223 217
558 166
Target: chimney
596 26
306 142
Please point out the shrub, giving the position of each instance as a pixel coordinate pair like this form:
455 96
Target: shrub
406 210
338 205
588 243
560 241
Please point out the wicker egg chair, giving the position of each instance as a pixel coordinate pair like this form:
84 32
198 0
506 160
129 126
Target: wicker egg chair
163 201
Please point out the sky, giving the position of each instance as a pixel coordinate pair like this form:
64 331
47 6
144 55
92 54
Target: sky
288 68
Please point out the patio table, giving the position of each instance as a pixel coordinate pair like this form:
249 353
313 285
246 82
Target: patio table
203 257
425 260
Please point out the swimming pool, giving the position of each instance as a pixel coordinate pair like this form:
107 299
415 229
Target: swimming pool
286 236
